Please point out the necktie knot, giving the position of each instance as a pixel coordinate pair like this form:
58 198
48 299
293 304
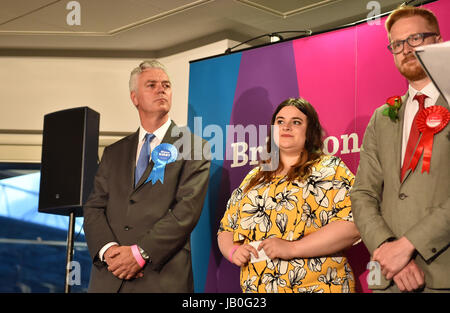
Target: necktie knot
421 99
148 137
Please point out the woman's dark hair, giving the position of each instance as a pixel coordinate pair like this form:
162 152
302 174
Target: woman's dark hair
313 145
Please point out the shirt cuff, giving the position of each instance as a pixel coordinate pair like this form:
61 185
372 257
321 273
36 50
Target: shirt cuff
105 247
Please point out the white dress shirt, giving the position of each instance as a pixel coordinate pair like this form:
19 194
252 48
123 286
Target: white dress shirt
159 135
411 108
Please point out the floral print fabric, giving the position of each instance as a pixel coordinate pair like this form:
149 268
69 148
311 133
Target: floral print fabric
290 211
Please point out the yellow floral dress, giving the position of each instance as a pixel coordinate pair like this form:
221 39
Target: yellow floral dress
290 211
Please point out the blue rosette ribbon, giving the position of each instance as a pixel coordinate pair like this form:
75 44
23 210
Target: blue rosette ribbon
162 155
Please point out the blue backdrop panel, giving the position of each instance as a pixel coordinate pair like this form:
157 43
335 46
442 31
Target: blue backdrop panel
212 84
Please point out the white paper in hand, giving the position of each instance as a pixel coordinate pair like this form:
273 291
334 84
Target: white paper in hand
261 254
435 60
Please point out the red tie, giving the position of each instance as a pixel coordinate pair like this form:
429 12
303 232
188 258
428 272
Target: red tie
413 135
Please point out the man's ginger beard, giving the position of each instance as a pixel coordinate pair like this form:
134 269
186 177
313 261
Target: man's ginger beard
412 72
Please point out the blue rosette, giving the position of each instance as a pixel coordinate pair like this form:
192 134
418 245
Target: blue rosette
162 155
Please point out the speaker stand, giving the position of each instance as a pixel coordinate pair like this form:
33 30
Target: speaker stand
69 252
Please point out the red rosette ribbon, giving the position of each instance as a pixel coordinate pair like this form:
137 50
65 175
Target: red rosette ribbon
429 121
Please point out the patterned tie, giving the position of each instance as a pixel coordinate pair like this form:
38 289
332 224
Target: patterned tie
144 157
413 135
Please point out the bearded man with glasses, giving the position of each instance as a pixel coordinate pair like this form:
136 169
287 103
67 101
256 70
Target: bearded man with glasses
401 198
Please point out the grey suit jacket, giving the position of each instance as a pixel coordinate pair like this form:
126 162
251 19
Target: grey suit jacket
157 217
417 208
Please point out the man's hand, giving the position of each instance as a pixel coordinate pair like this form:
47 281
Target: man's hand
122 263
410 278
393 256
111 253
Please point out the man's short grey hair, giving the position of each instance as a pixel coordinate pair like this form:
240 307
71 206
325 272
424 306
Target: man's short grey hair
142 67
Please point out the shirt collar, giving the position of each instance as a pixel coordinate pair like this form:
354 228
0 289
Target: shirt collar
430 90
159 133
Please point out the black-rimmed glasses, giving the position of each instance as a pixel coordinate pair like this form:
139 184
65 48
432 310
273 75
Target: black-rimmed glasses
414 40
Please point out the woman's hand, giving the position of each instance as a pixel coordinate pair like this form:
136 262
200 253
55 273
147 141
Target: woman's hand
276 248
242 255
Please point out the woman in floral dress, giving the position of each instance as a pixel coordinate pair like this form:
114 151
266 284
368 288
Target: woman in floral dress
296 218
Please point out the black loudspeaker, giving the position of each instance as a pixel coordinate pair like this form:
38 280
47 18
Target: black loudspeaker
69 160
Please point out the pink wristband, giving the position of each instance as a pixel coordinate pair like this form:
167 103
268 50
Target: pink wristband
137 255
233 250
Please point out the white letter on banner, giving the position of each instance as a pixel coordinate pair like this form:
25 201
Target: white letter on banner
345 140
335 145
237 152
254 155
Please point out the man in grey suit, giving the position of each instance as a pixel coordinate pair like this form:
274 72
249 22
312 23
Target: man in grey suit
140 215
401 209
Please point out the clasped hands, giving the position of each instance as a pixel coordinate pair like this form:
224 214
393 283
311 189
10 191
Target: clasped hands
273 247
121 262
395 259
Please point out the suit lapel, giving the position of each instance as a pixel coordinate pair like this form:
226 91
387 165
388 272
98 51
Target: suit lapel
130 165
441 101
398 134
168 138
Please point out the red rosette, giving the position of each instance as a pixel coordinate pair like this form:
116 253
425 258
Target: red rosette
429 121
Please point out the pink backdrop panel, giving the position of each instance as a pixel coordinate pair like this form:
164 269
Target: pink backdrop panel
326 66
